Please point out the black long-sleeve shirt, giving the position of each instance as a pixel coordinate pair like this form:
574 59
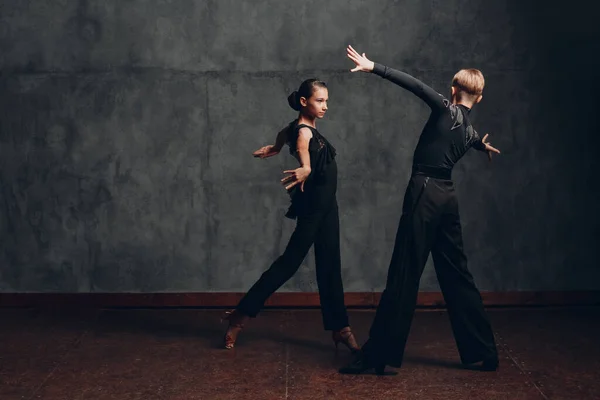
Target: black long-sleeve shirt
448 134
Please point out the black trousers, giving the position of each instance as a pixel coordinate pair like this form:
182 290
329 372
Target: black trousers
322 229
430 222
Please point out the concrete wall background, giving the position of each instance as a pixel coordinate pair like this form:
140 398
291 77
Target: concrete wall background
126 131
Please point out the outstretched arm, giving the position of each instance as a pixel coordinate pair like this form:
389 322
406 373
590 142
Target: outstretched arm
433 99
484 145
273 149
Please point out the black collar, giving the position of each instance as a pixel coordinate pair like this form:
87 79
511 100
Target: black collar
465 107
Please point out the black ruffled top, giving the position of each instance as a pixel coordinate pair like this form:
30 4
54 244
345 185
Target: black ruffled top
321 185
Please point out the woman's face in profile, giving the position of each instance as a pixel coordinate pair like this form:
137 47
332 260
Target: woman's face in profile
316 105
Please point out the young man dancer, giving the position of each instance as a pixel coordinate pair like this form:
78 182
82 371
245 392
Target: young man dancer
430 223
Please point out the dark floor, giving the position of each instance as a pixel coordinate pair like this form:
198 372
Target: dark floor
173 354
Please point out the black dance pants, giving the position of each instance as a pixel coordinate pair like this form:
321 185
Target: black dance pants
430 222
322 229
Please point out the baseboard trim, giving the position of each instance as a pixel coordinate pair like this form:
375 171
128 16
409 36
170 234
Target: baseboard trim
289 299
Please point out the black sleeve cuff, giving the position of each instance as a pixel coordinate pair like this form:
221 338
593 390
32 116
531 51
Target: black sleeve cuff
378 69
478 145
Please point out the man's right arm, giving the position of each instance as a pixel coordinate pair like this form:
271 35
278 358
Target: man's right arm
433 99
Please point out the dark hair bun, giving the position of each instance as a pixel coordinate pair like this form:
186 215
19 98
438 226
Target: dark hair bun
293 100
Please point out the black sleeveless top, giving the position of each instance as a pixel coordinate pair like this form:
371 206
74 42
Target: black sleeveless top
321 184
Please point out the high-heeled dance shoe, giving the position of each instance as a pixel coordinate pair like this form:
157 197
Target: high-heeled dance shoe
346 337
236 324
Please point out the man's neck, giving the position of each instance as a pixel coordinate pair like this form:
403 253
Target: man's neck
468 105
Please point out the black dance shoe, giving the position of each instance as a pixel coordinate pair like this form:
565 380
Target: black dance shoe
490 364
362 364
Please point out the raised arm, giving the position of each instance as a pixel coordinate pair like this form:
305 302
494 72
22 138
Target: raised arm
433 99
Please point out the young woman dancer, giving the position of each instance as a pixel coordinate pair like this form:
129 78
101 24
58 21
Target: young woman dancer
312 188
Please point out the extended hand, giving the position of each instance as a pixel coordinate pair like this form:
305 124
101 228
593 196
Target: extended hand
266 151
297 176
488 147
362 62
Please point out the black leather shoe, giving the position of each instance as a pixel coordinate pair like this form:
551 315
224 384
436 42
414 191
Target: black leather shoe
487 364
361 364
490 364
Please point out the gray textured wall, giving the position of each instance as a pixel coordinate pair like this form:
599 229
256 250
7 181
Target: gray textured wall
126 130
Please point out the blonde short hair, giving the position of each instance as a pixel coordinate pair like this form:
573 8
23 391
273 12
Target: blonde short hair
469 81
